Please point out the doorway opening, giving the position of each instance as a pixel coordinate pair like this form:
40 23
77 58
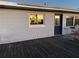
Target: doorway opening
58 24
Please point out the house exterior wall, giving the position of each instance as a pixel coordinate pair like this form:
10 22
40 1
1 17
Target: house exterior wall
14 26
67 29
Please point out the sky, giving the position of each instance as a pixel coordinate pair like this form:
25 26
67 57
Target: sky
54 3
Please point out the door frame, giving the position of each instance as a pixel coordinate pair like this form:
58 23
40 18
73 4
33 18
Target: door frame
61 24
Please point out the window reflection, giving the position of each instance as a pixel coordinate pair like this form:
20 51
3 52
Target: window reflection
36 19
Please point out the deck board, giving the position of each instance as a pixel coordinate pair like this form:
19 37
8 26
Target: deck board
53 47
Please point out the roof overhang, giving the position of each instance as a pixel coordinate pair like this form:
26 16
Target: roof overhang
39 8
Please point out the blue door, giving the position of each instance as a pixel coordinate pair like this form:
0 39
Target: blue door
58 24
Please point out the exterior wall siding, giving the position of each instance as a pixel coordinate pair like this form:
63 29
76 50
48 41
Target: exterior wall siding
14 26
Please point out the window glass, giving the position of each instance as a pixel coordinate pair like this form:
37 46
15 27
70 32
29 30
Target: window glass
57 20
40 19
32 19
77 20
69 20
36 19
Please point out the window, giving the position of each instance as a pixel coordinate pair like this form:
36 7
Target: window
57 20
69 20
77 20
36 19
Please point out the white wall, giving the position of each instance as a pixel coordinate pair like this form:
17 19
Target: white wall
67 29
14 26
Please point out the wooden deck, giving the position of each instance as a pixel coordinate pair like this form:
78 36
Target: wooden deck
53 47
